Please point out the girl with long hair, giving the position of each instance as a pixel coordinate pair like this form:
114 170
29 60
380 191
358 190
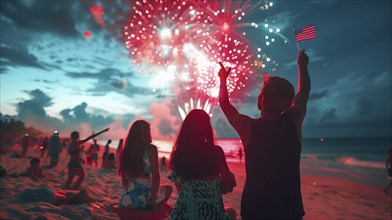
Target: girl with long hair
199 170
139 171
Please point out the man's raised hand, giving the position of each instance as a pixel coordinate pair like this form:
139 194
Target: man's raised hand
223 74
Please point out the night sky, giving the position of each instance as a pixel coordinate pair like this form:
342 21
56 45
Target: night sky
65 68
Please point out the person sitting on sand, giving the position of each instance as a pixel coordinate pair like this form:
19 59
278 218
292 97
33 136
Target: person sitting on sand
34 171
138 167
272 144
388 165
57 197
200 171
74 166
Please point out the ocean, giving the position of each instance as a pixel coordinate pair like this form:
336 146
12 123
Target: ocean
358 159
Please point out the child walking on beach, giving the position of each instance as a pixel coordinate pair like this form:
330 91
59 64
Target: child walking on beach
74 166
272 145
139 171
199 171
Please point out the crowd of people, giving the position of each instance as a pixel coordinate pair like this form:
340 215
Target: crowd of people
198 167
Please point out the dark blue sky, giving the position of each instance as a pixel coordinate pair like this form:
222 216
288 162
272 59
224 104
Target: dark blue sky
55 78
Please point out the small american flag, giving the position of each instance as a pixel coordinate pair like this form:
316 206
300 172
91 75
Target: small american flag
306 33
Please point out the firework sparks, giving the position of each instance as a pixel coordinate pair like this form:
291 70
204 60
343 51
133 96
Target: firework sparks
187 38
98 14
87 34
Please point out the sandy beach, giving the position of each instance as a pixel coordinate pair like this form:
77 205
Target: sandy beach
325 197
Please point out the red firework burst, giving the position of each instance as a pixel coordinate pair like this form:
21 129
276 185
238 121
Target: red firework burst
192 36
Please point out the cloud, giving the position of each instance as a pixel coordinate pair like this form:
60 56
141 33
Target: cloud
34 106
318 95
164 123
313 58
117 128
222 127
46 81
319 3
127 119
363 106
18 56
79 114
284 19
103 74
353 102
33 17
109 80
30 107
33 113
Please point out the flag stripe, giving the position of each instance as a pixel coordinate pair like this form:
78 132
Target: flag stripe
305 33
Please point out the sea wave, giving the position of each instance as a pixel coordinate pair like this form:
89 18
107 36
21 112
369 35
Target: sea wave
346 160
352 161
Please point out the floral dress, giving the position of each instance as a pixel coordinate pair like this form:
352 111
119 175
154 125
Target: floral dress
138 194
198 199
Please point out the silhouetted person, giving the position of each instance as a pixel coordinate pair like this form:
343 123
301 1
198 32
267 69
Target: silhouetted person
118 150
94 149
139 171
44 146
25 144
106 152
74 166
64 143
163 164
199 171
240 154
54 149
88 157
388 165
272 145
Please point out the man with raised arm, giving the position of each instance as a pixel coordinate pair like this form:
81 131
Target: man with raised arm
272 145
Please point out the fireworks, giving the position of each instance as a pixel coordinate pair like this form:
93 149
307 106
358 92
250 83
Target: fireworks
187 38
98 14
192 36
